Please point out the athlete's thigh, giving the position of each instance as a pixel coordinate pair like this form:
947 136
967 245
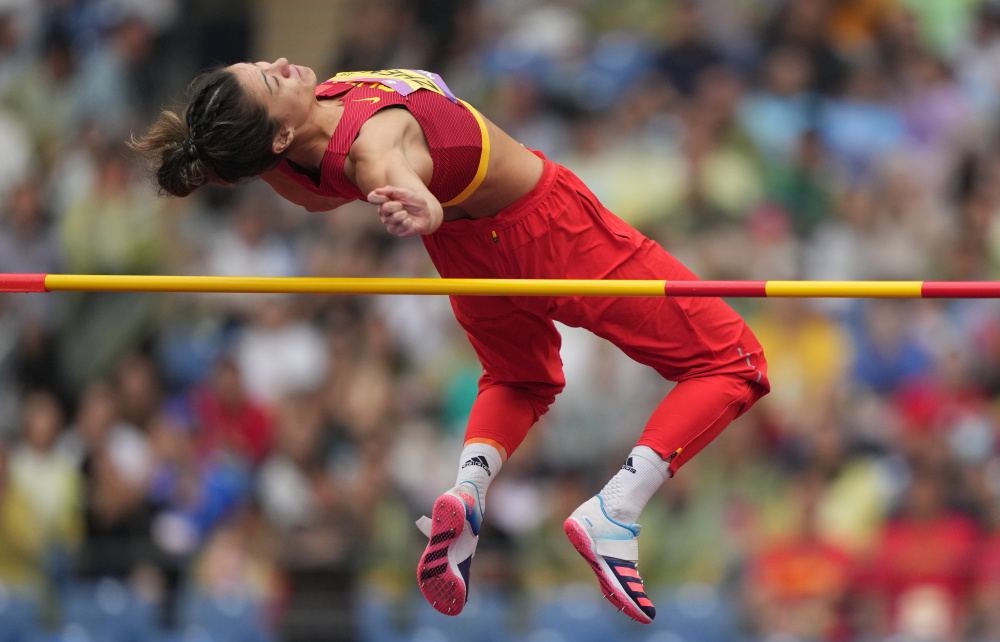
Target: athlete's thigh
678 336
514 345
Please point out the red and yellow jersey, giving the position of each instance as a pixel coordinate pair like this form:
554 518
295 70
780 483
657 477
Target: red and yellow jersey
455 132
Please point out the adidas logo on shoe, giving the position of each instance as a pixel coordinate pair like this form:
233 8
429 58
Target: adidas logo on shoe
480 461
628 466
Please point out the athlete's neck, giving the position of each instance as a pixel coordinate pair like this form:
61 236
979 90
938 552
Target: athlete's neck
313 137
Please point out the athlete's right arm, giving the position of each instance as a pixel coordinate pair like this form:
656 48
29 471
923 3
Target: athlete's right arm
292 191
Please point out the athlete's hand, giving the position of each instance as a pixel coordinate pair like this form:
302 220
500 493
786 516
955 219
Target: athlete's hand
403 211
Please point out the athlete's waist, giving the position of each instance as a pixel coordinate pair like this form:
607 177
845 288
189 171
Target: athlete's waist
514 212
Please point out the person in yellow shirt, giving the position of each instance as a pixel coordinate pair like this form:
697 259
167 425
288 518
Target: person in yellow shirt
40 500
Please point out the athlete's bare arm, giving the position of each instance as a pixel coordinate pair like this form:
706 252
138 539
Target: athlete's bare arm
513 170
391 163
292 191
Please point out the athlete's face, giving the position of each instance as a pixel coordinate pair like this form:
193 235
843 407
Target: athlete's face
287 91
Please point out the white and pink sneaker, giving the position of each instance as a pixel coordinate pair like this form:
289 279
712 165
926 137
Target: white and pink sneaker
453 530
612 550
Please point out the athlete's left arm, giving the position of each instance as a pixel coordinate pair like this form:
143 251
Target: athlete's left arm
383 169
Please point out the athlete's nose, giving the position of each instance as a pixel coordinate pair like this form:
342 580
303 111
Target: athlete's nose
282 66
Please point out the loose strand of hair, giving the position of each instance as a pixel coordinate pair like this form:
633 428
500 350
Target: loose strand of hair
168 129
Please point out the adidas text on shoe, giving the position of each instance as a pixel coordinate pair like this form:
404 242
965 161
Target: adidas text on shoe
453 530
612 550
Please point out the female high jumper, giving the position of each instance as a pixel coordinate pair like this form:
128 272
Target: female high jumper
485 207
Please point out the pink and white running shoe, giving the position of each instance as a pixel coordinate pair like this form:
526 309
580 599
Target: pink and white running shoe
453 530
612 550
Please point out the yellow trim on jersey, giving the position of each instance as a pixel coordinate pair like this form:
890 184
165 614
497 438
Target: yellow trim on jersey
484 160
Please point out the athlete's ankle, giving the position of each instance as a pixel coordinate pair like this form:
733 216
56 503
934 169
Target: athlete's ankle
626 494
478 466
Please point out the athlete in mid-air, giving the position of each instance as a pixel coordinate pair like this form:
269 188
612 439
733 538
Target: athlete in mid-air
485 207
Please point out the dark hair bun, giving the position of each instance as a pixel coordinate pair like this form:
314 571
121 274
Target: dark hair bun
179 174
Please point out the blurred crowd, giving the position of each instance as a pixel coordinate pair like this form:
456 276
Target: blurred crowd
249 467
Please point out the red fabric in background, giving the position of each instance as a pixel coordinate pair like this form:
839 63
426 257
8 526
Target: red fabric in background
243 429
940 554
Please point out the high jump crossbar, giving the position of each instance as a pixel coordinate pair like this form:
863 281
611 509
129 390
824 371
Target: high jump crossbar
503 287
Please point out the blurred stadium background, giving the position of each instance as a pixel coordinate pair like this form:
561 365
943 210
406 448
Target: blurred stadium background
248 468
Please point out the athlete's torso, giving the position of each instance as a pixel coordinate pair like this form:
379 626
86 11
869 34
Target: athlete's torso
455 134
477 169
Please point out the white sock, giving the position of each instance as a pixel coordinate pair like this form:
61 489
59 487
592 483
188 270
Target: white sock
628 491
479 464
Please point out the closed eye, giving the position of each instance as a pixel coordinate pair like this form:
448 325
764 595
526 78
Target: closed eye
264 76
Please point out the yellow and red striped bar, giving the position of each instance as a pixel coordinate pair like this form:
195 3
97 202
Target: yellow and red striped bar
504 287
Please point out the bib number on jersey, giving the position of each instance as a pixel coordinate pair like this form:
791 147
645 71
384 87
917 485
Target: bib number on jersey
402 81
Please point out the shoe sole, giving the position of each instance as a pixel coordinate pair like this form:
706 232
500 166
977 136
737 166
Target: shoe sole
584 544
437 573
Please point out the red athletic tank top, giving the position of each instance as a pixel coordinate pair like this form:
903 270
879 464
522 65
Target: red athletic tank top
455 132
